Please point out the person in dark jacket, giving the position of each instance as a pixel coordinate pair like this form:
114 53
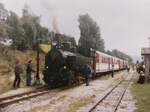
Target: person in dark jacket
112 74
17 71
29 73
128 69
141 71
86 73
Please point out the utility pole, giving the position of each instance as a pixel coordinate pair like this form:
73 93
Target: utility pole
37 60
36 42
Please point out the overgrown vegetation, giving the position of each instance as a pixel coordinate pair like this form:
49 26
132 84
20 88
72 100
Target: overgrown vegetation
141 93
8 58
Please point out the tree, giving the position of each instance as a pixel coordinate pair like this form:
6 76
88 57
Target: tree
3 13
24 31
3 30
16 32
90 36
32 28
3 25
121 55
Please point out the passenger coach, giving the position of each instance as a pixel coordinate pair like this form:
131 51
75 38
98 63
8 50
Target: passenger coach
105 62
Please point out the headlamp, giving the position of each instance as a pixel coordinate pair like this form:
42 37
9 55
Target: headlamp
65 67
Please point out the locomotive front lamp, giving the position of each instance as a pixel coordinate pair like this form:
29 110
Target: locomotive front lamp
65 67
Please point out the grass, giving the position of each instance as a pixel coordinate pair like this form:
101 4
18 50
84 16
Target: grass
74 106
5 83
141 93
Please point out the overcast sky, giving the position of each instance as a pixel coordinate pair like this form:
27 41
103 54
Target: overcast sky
124 24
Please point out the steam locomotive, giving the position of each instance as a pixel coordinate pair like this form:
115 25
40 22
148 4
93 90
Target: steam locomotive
64 67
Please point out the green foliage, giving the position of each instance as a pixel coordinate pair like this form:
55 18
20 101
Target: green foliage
16 32
24 31
3 30
90 36
3 26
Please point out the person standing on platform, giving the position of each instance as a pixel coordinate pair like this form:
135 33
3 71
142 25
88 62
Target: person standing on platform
128 69
18 71
112 75
86 73
29 73
141 70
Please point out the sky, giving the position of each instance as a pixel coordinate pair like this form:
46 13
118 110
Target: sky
124 24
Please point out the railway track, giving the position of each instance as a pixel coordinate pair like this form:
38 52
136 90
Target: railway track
14 99
112 99
6 101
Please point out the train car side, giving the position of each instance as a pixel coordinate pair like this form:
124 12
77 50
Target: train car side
107 63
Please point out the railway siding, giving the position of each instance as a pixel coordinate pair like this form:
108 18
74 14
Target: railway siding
112 99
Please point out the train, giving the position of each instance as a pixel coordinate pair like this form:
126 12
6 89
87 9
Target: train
64 67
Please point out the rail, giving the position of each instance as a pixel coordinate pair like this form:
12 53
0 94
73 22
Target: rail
107 94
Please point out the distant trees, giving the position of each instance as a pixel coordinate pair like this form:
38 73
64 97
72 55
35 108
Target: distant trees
3 26
24 31
32 29
3 13
120 55
15 31
3 30
90 36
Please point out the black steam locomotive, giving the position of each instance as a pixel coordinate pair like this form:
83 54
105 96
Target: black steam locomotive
64 67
